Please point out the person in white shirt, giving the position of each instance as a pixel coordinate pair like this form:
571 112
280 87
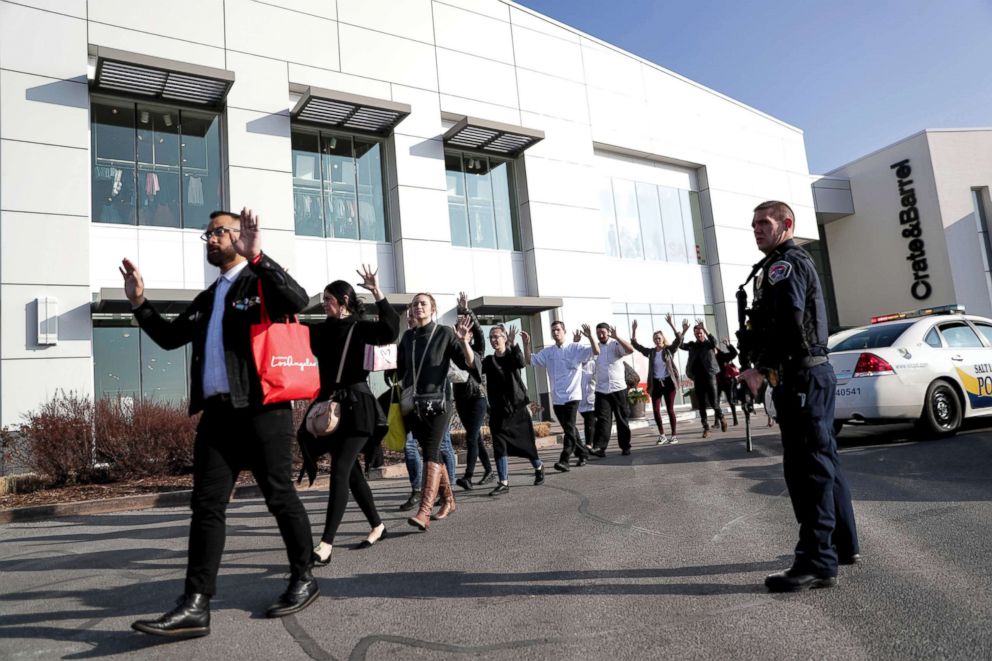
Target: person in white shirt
562 362
611 391
587 405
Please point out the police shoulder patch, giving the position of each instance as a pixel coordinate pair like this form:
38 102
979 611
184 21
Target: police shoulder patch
779 271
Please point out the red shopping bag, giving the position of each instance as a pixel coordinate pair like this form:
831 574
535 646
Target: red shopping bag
286 367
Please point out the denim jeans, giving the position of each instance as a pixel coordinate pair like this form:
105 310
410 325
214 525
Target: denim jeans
503 467
415 465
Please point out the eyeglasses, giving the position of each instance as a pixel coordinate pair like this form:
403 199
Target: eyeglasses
218 232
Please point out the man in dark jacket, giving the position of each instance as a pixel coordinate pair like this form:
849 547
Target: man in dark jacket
702 368
236 431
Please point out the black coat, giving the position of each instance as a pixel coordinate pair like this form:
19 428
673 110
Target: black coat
702 358
283 297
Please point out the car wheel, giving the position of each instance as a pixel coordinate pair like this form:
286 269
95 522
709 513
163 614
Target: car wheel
942 409
838 425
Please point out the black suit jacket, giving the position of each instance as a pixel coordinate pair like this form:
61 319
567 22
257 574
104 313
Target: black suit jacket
283 298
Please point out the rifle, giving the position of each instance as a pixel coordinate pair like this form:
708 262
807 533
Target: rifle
745 353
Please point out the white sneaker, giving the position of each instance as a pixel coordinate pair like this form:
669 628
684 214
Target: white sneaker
673 440
662 439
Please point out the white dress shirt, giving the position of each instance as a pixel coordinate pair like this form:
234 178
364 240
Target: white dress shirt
563 363
609 368
588 401
214 367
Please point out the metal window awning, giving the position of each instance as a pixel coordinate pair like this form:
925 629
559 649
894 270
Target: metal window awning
112 300
491 137
159 78
513 305
349 112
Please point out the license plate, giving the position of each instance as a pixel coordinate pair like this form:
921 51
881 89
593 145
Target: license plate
848 391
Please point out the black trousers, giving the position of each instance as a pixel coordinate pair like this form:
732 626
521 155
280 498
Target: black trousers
229 440
707 397
725 387
611 406
347 474
566 418
821 498
589 426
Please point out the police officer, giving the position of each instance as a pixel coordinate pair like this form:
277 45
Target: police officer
789 331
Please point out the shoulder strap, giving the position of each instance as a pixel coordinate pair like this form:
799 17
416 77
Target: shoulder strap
344 353
416 371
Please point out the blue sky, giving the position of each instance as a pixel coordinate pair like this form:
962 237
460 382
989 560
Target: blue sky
853 75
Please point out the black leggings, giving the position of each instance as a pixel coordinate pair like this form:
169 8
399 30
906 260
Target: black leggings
726 388
345 474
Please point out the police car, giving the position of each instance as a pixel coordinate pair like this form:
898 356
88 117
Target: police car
932 365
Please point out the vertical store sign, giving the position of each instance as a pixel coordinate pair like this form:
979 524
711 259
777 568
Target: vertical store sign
909 220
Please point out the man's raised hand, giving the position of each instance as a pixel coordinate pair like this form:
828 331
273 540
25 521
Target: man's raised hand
249 241
134 284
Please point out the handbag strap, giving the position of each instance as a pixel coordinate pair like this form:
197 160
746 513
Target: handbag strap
344 353
416 370
264 311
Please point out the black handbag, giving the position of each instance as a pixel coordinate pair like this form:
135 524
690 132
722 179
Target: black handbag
430 405
425 406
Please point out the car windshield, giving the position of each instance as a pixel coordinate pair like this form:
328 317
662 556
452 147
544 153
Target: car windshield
870 337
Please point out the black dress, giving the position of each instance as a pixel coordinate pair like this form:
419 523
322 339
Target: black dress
509 411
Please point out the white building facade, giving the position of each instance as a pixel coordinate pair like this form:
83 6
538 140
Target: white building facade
907 226
455 145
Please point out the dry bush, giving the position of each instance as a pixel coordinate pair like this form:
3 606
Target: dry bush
58 439
142 438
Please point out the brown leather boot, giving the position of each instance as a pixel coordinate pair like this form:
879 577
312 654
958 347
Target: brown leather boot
447 496
431 482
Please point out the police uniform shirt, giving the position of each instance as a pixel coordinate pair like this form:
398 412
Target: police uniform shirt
793 320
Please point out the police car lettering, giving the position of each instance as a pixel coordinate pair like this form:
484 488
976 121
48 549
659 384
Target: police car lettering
779 271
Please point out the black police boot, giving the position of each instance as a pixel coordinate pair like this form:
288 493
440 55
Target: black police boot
301 592
795 580
411 502
189 619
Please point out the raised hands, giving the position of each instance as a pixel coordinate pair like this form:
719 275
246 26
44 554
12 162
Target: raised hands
370 280
633 329
525 337
685 325
134 284
462 301
586 331
463 330
613 332
511 336
249 241
577 335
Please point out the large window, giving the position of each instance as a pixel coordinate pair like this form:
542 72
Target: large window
650 317
646 221
337 186
126 363
481 206
154 165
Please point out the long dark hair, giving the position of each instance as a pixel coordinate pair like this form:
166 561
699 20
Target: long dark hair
339 289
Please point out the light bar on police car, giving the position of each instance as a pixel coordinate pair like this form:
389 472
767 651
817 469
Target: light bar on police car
922 312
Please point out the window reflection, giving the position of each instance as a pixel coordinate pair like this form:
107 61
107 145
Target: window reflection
480 202
650 213
338 189
628 223
671 220
126 363
154 165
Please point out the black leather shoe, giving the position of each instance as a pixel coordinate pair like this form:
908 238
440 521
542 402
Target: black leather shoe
792 580
300 593
189 619
500 490
464 483
561 468
853 559
539 476
581 462
487 478
411 502
625 452
598 453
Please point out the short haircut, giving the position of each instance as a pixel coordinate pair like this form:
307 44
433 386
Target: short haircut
780 210
558 322
602 324
498 327
215 214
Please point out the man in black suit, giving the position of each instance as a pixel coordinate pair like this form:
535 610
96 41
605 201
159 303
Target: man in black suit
236 431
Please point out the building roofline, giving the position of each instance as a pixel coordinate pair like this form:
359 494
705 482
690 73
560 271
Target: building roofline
649 63
906 139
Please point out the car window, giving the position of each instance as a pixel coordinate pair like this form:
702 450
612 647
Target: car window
985 330
959 335
933 338
871 337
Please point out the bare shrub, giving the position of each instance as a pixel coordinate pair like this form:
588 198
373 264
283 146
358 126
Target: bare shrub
144 437
58 439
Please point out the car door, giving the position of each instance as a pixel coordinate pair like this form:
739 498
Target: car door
971 363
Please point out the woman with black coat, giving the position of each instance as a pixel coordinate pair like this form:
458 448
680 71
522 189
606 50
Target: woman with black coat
423 357
509 407
663 375
360 412
471 404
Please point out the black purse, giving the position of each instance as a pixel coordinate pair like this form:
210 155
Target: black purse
429 406
426 406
